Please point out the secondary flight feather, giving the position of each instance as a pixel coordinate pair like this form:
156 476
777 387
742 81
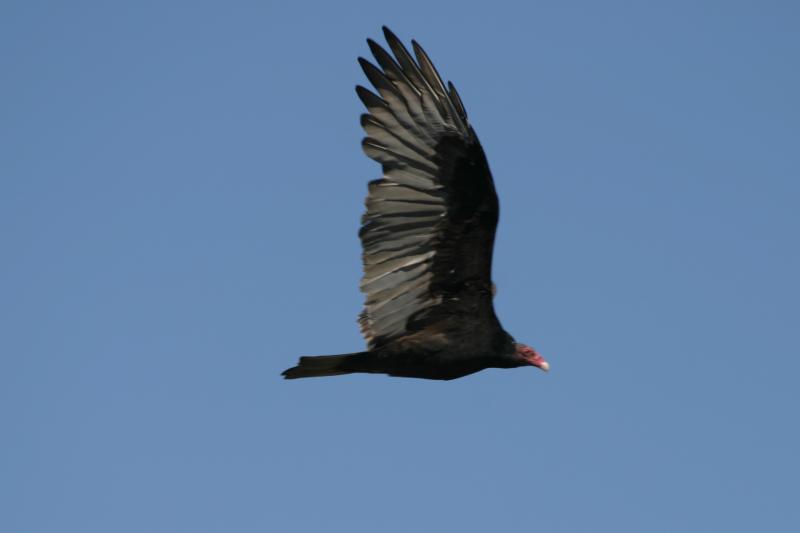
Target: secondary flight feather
427 233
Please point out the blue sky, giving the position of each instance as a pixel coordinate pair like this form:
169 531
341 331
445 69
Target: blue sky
180 191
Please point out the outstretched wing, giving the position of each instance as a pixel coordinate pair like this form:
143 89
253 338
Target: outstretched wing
428 231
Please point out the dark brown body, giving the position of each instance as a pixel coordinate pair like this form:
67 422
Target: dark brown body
408 358
427 234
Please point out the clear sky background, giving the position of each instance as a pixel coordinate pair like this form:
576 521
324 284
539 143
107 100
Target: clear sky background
180 191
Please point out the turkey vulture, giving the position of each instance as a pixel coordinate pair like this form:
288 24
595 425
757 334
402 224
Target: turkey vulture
427 234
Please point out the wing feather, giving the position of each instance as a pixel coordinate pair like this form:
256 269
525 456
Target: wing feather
428 229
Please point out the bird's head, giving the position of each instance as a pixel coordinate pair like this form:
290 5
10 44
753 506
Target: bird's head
531 357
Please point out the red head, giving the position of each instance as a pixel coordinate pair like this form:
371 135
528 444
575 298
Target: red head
532 357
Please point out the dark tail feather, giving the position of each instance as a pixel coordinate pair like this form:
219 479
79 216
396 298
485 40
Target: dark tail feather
326 365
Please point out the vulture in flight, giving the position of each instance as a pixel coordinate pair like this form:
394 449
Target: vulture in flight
427 234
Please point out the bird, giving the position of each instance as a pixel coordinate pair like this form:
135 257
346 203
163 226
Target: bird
427 234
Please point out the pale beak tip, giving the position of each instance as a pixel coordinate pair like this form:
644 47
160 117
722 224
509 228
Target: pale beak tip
545 366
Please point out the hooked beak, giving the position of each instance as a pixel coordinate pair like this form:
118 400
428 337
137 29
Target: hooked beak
532 357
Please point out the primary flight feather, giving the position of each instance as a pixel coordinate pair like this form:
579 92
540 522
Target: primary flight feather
427 234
